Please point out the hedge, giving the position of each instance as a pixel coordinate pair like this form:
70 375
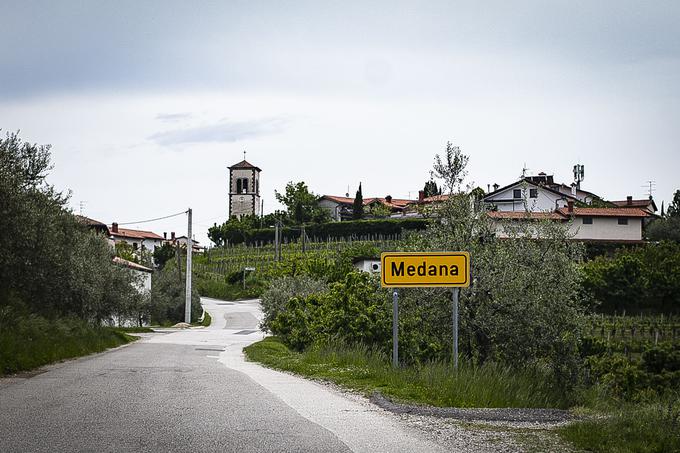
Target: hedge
331 230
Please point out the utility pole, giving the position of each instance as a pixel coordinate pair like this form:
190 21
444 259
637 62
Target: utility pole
190 246
276 240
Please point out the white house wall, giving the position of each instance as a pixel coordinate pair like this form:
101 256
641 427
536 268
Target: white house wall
149 244
607 228
546 200
332 207
602 229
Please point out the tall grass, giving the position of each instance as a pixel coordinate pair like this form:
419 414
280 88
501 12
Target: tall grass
437 384
652 427
32 341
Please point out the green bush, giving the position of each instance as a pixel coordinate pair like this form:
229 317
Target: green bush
168 298
276 298
641 280
354 310
642 428
354 228
631 376
30 341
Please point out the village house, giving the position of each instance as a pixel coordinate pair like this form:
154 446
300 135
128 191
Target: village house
536 194
182 241
342 208
623 225
138 239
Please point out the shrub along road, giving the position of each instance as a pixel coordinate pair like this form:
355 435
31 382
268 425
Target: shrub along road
171 391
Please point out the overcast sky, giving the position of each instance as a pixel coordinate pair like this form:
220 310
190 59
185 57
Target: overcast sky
146 103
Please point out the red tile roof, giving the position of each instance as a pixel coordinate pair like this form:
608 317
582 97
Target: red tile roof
645 203
123 262
396 202
604 212
521 215
135 234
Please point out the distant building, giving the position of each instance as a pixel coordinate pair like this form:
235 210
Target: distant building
622 225
244 189
341 208
138 239
646 204
537 194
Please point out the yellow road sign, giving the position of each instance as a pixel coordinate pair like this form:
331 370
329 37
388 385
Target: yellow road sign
413 269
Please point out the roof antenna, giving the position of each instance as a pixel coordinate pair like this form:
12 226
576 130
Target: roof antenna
524 170
347 194
244 154
650 188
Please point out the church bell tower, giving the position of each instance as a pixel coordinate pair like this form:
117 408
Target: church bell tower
244 189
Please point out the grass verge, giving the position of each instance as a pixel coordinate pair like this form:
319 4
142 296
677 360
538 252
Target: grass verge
642 428
33 341
436 384
205 322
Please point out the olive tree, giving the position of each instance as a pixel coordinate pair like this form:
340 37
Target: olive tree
522 308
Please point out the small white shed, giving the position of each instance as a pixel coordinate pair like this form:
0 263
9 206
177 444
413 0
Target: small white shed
367 264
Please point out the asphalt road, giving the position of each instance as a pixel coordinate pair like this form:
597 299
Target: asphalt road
187 391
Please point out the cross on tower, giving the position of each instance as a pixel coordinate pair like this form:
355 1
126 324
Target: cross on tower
244 154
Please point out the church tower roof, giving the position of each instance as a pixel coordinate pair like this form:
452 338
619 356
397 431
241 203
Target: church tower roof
244 164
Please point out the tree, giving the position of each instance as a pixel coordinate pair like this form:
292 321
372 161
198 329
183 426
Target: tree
478 194
451 168
358 206
162 254
50 263
431 189
522 308
379 210
233 231
673 210
301 205
668 226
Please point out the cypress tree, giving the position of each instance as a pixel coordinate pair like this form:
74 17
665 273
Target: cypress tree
358 208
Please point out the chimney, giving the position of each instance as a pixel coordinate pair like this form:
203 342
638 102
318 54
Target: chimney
172 236
629 200
488 188
495 187
114 227
570 206
165 235
421 196
388 198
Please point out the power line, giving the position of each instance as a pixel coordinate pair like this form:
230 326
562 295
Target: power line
153 220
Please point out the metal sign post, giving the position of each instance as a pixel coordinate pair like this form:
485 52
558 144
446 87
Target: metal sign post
424 269
454 300
395 329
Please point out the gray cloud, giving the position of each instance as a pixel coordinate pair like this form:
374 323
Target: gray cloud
73 45
222 132
173 117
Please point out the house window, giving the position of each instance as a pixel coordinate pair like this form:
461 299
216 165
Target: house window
623 221
533 193
245 185
238 186
517 193
587 220
134 246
